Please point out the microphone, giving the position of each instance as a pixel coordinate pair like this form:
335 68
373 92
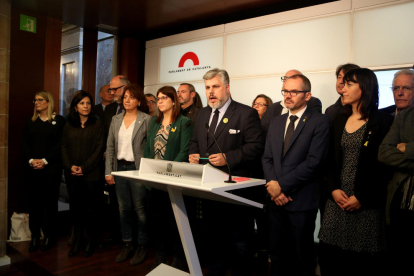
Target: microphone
224 157
184 127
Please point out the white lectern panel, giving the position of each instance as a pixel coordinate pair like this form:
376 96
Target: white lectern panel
384 36
311 45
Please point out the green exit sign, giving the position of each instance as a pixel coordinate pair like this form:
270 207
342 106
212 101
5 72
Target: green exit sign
27 23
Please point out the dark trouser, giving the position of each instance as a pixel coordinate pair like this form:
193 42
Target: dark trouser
401 242
232 231
44 196
292 249
113 219
165 229
262 222
335 261
85 202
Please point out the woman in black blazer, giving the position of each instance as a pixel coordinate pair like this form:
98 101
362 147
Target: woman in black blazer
82 149
352 235
41 147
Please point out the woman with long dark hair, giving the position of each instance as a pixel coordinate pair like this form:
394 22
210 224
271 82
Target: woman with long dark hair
125 148
82 149
176 130
352 235
41 147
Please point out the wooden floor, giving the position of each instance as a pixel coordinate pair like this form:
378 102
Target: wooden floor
56 262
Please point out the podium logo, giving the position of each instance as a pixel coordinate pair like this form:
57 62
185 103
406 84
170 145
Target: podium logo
187 56
27 23
169 167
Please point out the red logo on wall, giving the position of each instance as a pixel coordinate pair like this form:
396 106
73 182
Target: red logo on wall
189 55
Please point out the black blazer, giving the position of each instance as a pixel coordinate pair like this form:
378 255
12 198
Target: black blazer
299 171
241 148
275 110
334 110
372 177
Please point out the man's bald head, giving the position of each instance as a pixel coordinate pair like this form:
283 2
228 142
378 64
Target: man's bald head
116 87
106 96
289 74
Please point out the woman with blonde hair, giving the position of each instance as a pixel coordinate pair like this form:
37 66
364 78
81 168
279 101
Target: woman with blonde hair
41 148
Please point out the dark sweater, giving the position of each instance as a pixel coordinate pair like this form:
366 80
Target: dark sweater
43 140
84 147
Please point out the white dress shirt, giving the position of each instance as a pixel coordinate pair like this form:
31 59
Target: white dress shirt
222 110
125 142
299 115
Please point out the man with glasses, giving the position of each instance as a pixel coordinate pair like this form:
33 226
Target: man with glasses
296 145
107 101
279 108
402 88
186 93
152 104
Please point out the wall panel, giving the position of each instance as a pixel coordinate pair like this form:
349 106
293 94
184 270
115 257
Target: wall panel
384 36
152 57
311 45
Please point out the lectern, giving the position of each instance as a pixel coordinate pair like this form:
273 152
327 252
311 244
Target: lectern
203 181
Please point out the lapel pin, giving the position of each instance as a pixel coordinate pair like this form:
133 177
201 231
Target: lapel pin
305 118
53 122
225 120
366 144
139 122
173 129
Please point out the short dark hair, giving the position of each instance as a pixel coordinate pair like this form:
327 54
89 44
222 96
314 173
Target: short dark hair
368 83
74 118
151 95
138 93
171 93
190 86
346 68
306 85
266 98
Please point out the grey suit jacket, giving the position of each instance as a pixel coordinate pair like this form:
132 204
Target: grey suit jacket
402 163
139 138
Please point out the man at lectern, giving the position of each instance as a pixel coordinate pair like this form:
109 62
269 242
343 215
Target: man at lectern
296 145
239 142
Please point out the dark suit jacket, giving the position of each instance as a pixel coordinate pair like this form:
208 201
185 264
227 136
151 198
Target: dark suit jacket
334 110
242 148
389 109
275 110
177 148
402 164
371 177
192 114
298 172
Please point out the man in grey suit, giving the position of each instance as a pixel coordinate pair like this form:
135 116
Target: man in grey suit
277 109
397 151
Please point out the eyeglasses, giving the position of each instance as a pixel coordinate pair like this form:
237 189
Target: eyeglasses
110 90
293 93
405 89
151 102
162 98
38 100
284 78
259 104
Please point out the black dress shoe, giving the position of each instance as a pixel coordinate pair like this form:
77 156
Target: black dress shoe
47 244
89 248
34 245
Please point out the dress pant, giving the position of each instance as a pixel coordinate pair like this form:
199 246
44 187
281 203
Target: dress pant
85 202
43 202
164 227
231 240
132 200
292 249
335 261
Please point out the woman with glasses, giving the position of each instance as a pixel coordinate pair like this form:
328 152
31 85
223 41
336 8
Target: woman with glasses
176 130
261 103
352 235
42 150
125 148
82 149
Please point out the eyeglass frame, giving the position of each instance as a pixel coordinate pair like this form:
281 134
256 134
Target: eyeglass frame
162 98
152 102
410 89
114 89
290 92
284 78
260 104
39 100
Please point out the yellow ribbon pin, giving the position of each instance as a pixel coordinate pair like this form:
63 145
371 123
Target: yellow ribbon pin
225 120
366 144
174 129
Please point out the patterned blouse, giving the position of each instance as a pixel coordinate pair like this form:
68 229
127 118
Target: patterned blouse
160 141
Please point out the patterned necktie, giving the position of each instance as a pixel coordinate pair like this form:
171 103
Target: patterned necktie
213 126
289 133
